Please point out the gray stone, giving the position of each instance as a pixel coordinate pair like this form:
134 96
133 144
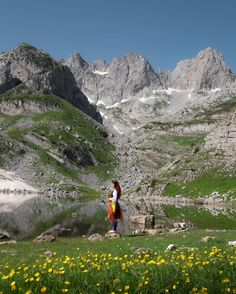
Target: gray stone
207 239
142 221
95 237
44 237
4 235
48 254
171 247
232 243
143 250
112 235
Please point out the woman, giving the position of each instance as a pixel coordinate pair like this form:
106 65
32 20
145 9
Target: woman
114 211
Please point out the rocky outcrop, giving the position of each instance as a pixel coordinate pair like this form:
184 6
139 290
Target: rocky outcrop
125 77
207 70
223 137
142 222
40 73
4 235
95 237
7 80
44 237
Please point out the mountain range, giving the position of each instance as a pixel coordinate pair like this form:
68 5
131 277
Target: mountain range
70 125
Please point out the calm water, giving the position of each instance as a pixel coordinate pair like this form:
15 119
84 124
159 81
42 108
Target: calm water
26 216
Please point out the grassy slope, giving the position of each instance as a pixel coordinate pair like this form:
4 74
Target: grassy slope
210 175
200 218
63 127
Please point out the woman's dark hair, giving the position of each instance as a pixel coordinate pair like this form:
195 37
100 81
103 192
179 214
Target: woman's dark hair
118 188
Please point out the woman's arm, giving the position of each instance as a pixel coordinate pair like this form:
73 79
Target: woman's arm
114 196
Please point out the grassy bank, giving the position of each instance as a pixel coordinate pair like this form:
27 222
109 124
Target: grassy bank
112 266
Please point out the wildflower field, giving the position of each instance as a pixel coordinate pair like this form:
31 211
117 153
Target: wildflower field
112 266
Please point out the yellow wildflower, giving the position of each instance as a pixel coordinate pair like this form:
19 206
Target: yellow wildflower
43 290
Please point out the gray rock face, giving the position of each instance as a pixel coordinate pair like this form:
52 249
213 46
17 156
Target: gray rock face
132 76
40 73
125 77
78 66
164 77
7 81
206 71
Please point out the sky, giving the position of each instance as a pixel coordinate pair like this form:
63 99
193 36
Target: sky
163 31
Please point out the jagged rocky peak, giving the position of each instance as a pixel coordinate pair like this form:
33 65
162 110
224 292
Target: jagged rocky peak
41 73
207 70
127 76
78 66
75 60
141 74
100 66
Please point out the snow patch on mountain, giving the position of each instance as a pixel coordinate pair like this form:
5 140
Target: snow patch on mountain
101 73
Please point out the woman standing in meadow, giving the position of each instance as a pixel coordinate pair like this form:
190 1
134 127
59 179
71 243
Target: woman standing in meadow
114 209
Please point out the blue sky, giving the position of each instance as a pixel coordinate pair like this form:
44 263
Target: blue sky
164 31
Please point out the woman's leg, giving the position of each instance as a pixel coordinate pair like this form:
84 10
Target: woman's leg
114 225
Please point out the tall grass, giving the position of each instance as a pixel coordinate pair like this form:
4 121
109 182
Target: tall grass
112 266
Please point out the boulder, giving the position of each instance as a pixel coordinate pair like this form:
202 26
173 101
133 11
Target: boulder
95 237
143 250
142 222
232 243
207 239
180 225
171 247
153 232
177 230
4 235
44 237
112 234
48 254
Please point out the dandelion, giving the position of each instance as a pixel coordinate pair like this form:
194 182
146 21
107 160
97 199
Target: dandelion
187 280
127 287
203 290
43 290
225 281
13 286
